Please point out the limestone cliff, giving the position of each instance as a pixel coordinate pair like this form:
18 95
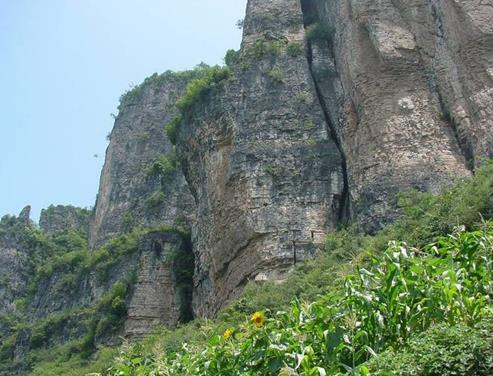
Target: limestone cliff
260 159
132 191
327 112
333 108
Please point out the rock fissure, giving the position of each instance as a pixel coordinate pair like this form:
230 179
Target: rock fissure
344 208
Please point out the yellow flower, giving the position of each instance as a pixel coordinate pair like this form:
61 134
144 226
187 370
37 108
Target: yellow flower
227 334
258 319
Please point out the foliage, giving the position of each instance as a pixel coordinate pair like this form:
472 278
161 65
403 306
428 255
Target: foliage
295 49
442 350
276 74
263 48
403 291
368 294
231 58
135 92
163 166
62 361
319 32
208 78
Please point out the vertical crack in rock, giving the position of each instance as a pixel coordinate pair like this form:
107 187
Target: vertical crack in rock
344 208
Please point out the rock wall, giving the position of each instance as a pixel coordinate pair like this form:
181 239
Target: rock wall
385 96
162 293
385 92
129 195
61 218
332 109
261 163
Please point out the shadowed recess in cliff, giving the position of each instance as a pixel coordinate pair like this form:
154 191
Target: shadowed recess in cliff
315 28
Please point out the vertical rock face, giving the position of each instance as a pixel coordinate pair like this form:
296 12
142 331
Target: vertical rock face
129 194
162 292
14 262
407 85
260 161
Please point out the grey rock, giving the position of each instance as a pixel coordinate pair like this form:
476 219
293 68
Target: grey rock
136 141
60 218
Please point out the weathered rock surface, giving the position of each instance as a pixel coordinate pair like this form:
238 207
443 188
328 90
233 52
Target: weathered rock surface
162 292
17 256
260 161
389 96
61 218
128 195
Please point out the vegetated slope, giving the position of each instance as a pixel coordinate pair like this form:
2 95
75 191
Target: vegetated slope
365 295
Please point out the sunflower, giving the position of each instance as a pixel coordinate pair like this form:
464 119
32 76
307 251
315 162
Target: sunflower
227 334
258 319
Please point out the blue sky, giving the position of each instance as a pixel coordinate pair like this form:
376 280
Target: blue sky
63 66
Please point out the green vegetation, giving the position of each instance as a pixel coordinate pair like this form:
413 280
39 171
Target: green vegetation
320 32
263 47
63 269
231 58
295 49
156 80
442 350
365 296
208 79
163 166
403 291
276 75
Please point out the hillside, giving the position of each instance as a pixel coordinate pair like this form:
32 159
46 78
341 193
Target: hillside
318 180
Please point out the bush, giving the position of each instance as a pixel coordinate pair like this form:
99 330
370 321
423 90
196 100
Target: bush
320 32
162 167
443 350
276 75
295 49
262 48
231 58
209 78
171 128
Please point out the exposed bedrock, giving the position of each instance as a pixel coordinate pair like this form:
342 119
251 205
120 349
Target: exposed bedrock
407 86
130 194
266 174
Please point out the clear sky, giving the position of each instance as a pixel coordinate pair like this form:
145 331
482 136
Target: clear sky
63 66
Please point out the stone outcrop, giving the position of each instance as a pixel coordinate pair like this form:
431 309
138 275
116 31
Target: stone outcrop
61 218
260 160
384 97
407 88
163 289
129 194
15 264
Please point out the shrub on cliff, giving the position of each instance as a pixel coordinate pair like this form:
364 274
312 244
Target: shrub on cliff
319 32
209 78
